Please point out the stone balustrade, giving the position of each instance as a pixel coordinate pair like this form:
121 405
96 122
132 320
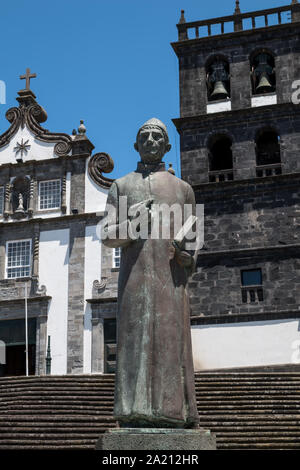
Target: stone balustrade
268 170
220 175
237 22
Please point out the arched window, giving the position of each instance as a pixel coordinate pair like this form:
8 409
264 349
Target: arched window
263 73
220 159
218 79
268 159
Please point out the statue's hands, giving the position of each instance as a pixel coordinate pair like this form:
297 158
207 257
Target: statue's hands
140 216
182 257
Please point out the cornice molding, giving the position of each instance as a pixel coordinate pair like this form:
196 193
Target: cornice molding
259 113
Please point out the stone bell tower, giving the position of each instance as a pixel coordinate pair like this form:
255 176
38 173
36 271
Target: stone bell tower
239 129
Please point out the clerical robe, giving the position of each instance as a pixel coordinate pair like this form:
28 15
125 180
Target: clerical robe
154 383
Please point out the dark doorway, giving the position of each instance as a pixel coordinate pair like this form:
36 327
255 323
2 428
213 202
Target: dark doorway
110 345
12 333
15 360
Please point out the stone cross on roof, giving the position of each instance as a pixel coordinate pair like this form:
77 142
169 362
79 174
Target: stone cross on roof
27 77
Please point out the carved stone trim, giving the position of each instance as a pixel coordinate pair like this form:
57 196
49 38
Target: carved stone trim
32 115
16 118
7 200
31 196
36 250
98 164
64 194
99 287
63 141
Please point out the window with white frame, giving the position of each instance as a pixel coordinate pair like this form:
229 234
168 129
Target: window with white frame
1 199
116 257
18 258
49 194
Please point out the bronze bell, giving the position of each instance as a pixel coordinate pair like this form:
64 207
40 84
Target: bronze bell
264 85
219 92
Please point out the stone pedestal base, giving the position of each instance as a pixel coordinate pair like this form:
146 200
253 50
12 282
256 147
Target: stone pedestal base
156 439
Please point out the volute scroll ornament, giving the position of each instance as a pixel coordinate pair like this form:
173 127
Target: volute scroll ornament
31 114
98 164
99 286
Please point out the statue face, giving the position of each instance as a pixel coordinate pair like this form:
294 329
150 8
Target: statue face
151 144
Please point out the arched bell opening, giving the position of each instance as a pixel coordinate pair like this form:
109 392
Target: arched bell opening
263 76
218 79
268 158
220 159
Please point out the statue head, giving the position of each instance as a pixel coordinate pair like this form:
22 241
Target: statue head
152 141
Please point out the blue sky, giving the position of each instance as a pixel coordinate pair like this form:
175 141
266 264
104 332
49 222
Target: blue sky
108 62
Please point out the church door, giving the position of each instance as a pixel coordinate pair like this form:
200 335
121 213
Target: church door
110 340
12 332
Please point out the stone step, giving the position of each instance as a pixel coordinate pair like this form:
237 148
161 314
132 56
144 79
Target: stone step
245 379
232 413
260 435
54 390
258 446
50 419
237 373
251 417
243 426
34 445
109 392
54 411
248 430
243 404
28 435
93 401
245 410
80 429
45 428
258 439
80 443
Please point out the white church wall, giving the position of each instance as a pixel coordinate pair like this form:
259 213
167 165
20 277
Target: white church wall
53 273
38 150
95 197
92 272
218 107
245 344
68 192
257 101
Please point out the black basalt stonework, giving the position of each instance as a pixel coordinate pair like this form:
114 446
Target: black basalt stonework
251 222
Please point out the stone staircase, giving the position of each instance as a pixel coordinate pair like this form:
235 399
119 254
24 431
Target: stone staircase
246 410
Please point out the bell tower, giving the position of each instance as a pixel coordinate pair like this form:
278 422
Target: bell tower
239 129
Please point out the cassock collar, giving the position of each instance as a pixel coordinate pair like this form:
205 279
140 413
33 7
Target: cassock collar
150 167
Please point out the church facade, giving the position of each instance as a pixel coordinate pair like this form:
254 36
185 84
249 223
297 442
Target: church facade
52 196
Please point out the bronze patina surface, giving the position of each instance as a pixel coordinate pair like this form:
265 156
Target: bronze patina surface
154 375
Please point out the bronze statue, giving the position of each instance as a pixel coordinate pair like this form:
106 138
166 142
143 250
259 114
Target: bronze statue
154 375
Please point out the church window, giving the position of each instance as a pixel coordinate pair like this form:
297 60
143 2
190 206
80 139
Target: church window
49 194
220 159
1 200
268 159
263 73
253 277
218 80
18 255
252 290
116 257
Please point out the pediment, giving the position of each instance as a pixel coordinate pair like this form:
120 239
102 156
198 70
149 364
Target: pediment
25 132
